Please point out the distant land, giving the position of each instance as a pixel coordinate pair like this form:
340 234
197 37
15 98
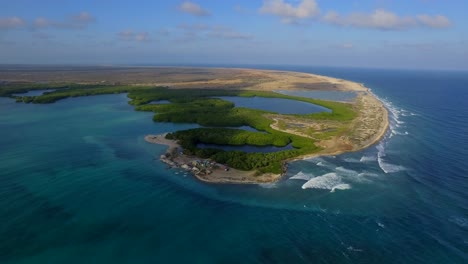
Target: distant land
197 95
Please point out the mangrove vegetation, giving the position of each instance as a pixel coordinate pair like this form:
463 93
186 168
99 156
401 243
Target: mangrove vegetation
201 107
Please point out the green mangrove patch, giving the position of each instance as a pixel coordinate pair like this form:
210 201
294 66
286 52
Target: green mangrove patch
198 106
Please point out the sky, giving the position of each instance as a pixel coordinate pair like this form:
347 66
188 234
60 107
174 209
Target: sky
416 34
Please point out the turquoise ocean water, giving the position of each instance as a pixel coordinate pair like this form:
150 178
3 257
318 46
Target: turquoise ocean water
78 184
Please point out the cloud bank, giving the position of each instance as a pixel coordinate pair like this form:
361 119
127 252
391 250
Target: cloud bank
193 9
11 23
386 20
288 12
78 21
197 31
130 35
379 19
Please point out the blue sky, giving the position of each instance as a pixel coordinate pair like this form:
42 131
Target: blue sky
365 33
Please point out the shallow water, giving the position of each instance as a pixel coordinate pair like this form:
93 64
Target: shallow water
78 184
277 105
325 95
34 92
246 148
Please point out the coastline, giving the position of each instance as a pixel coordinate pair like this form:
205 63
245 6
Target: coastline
368 126
371 106
218 173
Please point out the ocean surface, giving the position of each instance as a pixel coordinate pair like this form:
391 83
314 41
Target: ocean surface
78 184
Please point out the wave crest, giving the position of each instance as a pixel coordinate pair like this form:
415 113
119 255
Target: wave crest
330 181
302 176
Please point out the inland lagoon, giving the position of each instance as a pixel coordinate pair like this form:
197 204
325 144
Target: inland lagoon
278 105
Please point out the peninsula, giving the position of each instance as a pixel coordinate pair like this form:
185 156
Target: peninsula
195 95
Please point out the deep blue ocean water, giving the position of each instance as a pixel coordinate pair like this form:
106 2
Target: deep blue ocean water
78 184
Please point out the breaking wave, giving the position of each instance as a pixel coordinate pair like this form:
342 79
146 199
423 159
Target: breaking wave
330 181
368 174
389 168
368 158
351 160
343 186
395 125
302 176
346 171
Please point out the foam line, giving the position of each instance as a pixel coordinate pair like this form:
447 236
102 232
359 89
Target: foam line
330 181
302 176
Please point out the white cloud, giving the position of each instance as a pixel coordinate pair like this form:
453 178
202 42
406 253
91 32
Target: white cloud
83 18
11 23
78 21
347 46
196 31
193 9
42 22
380 19
437 21
288 12
130 35
385 20
126 35
227 33
142 37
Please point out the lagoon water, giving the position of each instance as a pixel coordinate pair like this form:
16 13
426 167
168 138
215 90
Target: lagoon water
34 92
276 105
246 148
78 184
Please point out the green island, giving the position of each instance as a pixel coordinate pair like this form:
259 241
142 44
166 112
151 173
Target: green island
323 133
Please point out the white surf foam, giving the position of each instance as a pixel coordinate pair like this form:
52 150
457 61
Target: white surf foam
395 125
368 174
460 221
330 181
395 114
385 166
302 176
326 181
268 185
396 132
314 160
352 160
343 186
368 158
389 168
346 171
325 164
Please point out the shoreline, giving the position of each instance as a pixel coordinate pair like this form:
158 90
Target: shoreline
384 126
218 174
206 169
368 128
